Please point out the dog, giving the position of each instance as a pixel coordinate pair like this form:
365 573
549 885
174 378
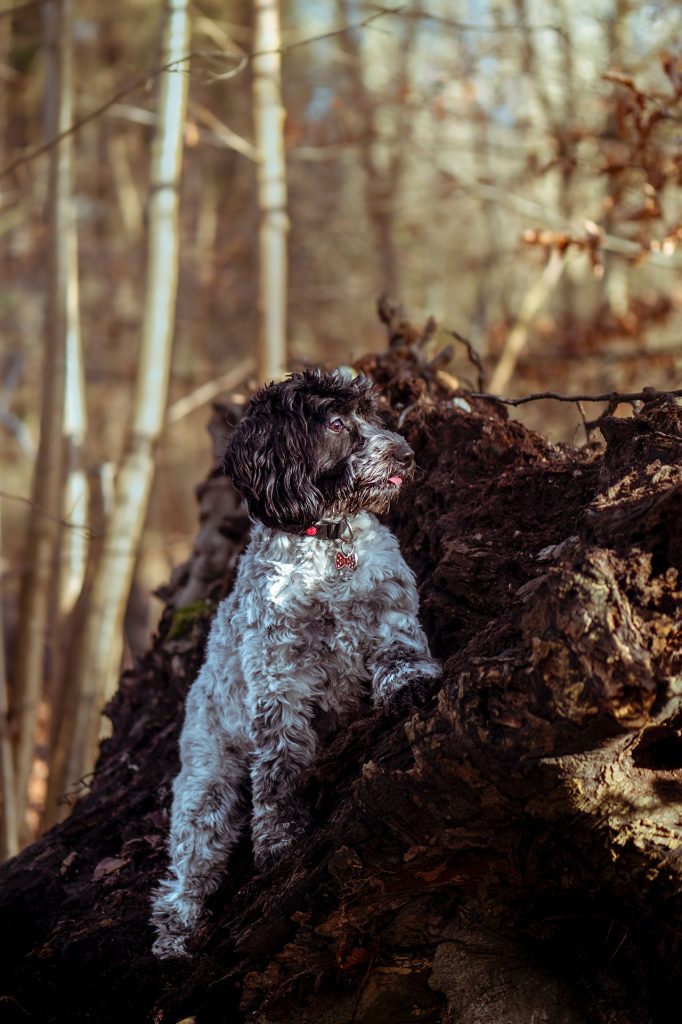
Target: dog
323 616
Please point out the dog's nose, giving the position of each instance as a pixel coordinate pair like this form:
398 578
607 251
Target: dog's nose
404 456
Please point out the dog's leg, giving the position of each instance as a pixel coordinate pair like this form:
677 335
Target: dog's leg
403 670
206 818
284 745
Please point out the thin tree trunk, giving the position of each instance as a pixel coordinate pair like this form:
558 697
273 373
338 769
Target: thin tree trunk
272 190
533 301
559 116
129 198
74 545
37 598
6 74
616 282
383 152
100 649
9 830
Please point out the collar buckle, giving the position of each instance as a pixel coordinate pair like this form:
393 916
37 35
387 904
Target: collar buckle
327 530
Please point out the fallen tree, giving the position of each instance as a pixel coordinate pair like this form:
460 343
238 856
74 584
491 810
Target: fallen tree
508 853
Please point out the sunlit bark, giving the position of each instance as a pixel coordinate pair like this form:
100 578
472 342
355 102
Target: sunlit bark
272 194
99 654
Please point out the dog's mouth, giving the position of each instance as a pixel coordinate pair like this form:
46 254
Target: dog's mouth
391 483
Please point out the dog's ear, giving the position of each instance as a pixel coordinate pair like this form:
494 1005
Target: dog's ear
270 460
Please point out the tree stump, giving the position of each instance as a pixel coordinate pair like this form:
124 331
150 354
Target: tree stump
508 853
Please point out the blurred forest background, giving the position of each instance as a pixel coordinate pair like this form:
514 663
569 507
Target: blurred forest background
512 168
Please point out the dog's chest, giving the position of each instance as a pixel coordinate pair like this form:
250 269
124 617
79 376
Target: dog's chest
301 616
329 624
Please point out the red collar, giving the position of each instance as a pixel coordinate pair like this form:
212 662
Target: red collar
324 529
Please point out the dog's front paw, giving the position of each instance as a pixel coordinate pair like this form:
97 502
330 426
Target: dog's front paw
170 947
276 841
175 916
413 694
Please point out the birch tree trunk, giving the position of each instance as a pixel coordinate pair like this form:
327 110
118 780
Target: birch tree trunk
99 654
38 591
75 547
74 544
272 190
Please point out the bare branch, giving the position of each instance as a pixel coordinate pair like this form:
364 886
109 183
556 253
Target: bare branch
210 390
143 80
222 133
473 356
646 395
465 26
487 192
381 13
83 527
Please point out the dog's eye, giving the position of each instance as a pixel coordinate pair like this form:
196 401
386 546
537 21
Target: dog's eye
337 425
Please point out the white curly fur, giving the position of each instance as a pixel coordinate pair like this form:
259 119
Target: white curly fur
295 640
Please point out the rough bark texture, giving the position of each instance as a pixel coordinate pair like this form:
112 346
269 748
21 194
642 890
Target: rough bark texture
507 854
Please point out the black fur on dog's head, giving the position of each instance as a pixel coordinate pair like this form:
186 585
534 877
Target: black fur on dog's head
312 446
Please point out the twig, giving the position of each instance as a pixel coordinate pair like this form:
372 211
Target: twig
149 76
86 530
338 31
487 192
45 147
430 328
587 427
473 356
612 398
210 390
646 395
224 135
466 26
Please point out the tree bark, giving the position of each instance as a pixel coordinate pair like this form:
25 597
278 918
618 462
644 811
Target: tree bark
508 853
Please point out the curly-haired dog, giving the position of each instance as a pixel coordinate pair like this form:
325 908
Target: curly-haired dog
323 612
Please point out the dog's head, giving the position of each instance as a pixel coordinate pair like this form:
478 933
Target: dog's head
313 446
